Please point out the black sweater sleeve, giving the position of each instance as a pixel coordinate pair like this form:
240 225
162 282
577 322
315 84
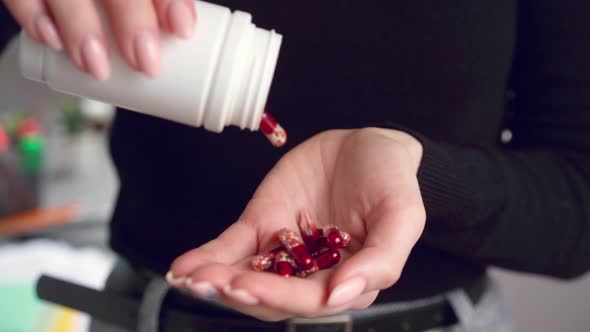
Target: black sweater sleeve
524 205
8 27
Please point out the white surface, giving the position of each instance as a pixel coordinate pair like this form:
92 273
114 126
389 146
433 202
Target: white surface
97 111
26 262
90 181
215 78
541 304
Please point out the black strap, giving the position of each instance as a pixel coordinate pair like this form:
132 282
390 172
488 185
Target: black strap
123 311
112 308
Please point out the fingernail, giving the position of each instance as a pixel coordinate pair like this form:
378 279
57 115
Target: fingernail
47 32
202 288
347 291
240 295
175 281
94 57
147 54
181 19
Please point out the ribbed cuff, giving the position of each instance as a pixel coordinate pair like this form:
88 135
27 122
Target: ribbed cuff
444 192
441 178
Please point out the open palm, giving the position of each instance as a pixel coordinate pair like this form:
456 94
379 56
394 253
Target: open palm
363 181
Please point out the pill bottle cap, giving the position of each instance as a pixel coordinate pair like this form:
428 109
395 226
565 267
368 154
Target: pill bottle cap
245 71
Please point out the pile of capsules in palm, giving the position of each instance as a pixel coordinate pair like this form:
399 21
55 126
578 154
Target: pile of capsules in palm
298 255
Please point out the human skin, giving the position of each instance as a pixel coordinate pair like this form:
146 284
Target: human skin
364 181
75 27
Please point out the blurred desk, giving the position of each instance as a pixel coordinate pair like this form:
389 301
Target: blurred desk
89 182
90 179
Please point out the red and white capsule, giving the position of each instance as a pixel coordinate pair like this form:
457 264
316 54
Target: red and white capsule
335 238
263 262
284 264
273 130
327 259
277 249
296 248
309 232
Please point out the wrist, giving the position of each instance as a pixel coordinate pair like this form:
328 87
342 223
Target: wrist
407 142
414 148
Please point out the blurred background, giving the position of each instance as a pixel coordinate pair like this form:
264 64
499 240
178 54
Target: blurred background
57 189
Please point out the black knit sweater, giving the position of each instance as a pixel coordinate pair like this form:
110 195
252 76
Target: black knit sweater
455 75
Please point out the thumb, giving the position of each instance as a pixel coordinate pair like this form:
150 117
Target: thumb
235 243
391 234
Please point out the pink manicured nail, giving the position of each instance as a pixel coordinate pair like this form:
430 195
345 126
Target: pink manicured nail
94 57
202 288
147 54
175 281
240 295
181 19
347 291
47 32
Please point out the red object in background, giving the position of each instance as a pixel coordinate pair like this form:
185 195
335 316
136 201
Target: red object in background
29 126
273 130
4 140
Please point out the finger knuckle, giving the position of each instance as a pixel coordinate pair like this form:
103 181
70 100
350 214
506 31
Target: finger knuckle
421 212
368 131
419 219
250 223
391 277
412 214
364 133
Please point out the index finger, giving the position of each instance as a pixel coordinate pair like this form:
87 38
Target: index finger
135 26
35 19
235 243
83 35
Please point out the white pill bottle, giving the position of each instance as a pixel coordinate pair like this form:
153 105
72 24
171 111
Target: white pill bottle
221 76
